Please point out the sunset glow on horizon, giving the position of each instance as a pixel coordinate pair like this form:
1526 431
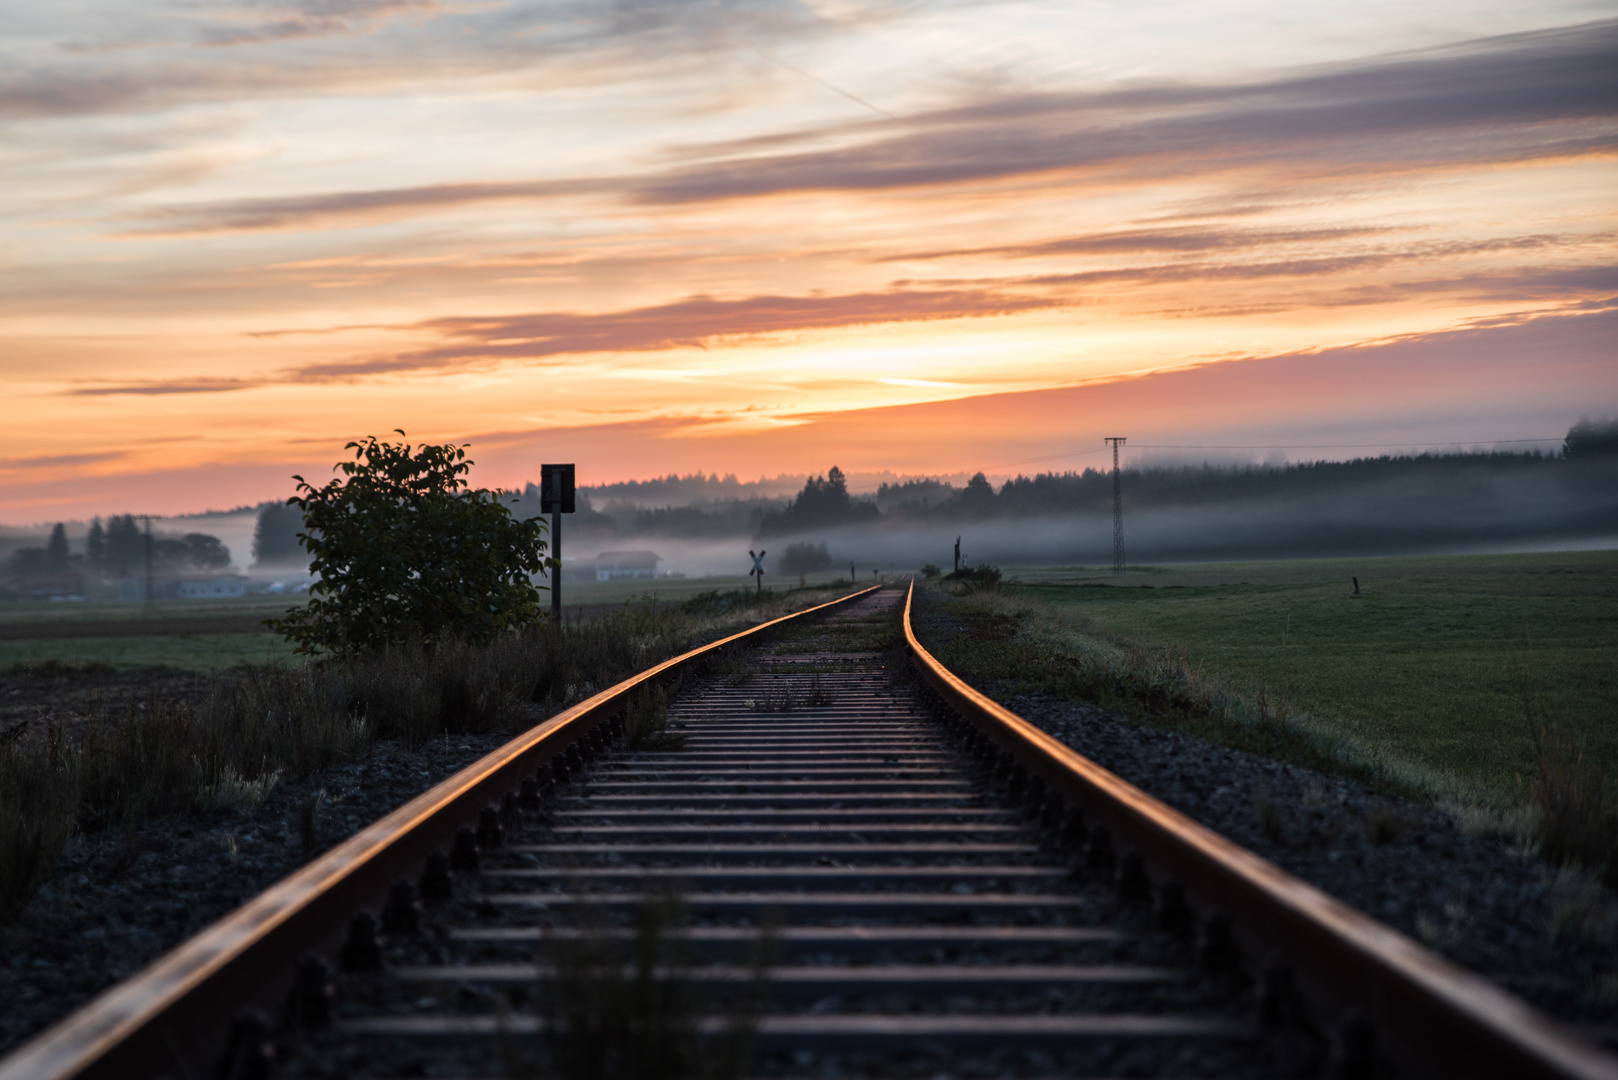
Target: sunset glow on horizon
765 237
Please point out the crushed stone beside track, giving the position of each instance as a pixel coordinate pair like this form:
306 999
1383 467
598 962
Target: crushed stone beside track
1472 899
120 899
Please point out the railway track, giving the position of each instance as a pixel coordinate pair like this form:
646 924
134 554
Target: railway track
829 851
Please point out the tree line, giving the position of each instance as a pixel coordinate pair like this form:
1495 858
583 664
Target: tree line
118 549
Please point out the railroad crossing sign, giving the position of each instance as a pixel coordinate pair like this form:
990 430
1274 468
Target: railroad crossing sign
758 568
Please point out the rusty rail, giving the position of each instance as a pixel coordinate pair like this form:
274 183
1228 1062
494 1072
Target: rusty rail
172 1018
1430 1015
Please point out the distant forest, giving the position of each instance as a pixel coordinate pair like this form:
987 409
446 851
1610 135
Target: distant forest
1387 501
117 550
1583 467
1388 504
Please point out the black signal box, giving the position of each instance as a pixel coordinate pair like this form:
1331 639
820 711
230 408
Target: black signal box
556 489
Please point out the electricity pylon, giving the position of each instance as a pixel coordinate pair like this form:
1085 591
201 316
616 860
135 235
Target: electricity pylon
1117 506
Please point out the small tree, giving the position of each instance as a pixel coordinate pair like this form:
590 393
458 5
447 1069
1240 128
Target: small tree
275 537
804 559
206 552
95 544
404 548
56 550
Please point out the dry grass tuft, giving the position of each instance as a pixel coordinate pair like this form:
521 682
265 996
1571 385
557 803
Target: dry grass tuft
259 725
1448 930
616 1013
646 722
39 779
1270 818
1584 910
1573 801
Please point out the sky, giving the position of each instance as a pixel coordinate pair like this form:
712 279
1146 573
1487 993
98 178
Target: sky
770 237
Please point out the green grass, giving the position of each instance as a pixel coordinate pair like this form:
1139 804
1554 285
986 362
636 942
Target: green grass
203 651
225 746
55 614
1430 664
189 652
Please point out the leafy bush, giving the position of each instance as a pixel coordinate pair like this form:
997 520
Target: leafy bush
404 549
980 576
929 571
804 558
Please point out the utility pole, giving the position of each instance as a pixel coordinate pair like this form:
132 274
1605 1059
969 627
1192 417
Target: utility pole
1117 506
556 497
957 554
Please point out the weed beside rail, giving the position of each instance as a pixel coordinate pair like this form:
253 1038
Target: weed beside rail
228 749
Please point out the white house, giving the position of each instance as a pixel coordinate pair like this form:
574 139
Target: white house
212 587
626 565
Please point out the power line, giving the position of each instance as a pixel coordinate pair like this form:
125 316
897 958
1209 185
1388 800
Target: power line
1333 446
1053 457
1277 446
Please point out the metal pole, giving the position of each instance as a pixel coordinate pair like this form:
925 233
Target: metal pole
556 555
1117 505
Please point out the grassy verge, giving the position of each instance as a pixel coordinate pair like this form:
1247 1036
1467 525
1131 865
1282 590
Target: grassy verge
1431 662
229 746
1484 682
182 652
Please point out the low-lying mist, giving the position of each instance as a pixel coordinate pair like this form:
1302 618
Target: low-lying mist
1440 510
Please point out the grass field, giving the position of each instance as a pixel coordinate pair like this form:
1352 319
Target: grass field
1431 663
206 635
190 635
186 652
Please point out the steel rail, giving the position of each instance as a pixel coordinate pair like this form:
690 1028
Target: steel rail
172 1018
1427 1012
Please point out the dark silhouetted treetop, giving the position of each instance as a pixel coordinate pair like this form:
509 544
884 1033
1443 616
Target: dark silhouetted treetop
56 550
1591 438
803 559
95 544
275 537
126 547
29 562
822 503
405 550
912 495
205 552
977 498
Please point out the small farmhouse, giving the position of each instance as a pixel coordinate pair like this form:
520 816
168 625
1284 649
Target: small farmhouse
212 586
626 565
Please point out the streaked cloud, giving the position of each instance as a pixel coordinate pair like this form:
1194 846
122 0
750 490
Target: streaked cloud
1547 94
158 388
263 226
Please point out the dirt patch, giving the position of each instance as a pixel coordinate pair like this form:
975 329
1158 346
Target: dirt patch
65 692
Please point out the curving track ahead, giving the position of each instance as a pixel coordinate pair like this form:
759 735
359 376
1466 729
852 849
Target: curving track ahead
945 888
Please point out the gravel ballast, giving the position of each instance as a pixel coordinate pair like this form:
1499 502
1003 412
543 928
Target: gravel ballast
1404 864
1501 912
119 900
